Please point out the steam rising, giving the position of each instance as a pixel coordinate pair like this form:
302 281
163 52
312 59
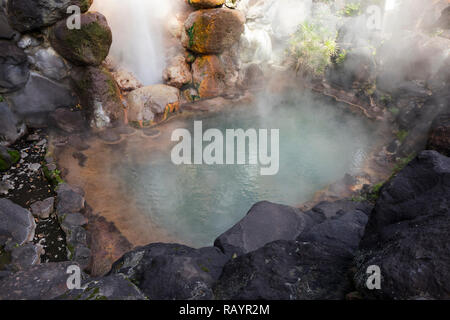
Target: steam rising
138 39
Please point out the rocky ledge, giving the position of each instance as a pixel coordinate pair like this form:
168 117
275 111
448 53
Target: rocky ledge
274 252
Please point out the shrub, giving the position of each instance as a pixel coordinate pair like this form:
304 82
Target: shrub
312 46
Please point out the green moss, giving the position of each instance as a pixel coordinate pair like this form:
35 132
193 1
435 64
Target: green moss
341 57
93 37
1 98
204 269
190 33
54 177
402 163
15 157
71 251
402 135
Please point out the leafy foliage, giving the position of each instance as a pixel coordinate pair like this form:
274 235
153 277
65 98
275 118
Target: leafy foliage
312 46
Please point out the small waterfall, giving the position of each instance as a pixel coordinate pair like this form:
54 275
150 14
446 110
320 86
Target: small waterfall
137 27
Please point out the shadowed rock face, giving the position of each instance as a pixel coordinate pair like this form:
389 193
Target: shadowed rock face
172 271
407 235
287 270
29 15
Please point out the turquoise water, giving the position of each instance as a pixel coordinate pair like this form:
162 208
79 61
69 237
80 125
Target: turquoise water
196 203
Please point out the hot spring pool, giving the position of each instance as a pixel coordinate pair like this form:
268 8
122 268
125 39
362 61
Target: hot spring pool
196 203
135 184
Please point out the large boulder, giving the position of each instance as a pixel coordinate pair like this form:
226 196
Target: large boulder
40 282
205 4
14 71
209 76
439 137
29 15
11 128
17 224
264 223
287 270
99 94
38 98
212 31
408 233
343 229
172 271
88 45
152 102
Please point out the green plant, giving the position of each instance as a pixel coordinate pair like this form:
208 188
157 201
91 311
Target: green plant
351 10
2 99
341 57
312 47
402 163
394 110
401 135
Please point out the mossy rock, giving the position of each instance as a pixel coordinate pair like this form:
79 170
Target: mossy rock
87 46
212 31
205 4
8 158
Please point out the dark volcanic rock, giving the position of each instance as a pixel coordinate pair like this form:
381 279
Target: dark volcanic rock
264 223
69 200
344 230
40 282
29 15
11 128
38 98
408 233
26 256
439 137
287 270
88 45
172 271
14 72
17 225
113 287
